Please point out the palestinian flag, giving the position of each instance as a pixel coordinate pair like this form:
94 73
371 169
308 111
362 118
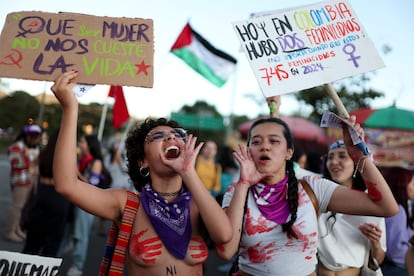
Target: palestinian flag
210 62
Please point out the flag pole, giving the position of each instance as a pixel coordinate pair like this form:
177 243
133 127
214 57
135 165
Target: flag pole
103 118
131 122
229 129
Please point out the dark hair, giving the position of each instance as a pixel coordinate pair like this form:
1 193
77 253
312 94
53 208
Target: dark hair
94 146
46 156
298 153
134 145
226 158
398 179
358 183
314 162
292 193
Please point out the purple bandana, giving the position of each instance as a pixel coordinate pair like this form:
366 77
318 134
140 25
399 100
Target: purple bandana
171 220
271 200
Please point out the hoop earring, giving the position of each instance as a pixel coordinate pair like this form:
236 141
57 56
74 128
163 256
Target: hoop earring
144 172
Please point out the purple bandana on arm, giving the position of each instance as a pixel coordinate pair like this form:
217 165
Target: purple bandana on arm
171 220
271 200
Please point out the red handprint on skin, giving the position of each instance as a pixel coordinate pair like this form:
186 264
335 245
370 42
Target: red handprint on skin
198 250
262 254
146 250
373 192
256 226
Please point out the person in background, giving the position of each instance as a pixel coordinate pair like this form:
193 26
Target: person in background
175 210
208 169
300 157
48 216
23 157
400 226
314 162
346 242
409 258
90 171
284 242
117 167
229 170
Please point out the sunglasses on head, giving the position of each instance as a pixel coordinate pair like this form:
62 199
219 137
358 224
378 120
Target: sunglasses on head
179 133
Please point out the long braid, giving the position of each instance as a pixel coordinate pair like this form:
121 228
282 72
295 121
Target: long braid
292 197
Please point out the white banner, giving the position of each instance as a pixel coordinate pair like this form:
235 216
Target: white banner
12 263
299 48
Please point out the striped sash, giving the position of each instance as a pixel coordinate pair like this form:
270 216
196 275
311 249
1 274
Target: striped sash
113 261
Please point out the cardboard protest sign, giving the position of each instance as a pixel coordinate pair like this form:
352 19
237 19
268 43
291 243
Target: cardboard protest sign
299 48
12 263
105 50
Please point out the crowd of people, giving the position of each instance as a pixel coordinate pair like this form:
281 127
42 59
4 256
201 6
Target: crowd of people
280 212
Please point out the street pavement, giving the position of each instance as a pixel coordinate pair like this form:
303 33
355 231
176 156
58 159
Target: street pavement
213 266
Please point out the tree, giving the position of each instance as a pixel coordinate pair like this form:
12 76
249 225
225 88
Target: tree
319 100
202 109
16 109
19 107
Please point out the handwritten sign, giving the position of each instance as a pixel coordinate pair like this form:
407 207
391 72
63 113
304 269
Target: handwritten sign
12 263
299 48
105 50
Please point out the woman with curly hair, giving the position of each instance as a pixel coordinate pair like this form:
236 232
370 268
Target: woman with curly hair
174 208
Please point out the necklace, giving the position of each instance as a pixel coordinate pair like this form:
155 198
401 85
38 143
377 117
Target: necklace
168 194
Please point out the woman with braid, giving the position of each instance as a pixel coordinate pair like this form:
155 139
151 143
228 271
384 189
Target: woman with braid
275 228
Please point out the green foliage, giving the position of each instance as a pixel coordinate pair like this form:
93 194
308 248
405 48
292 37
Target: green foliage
319 100
19 106
17 109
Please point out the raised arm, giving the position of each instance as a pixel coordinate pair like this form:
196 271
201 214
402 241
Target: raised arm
379 200
213 216
249 176
103 203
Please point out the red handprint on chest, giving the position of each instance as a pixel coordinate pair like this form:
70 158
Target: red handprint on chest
147 250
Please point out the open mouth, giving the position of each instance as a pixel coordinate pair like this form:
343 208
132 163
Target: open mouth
172 152
263 159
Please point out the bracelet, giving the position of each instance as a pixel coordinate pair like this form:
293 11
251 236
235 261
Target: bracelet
363 159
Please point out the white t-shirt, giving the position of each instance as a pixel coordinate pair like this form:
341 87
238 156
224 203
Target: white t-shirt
341 243
266 250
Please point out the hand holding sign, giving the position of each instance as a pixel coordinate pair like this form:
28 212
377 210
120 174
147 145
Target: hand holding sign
330 119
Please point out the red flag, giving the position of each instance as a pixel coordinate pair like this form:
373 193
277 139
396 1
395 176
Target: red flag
120 112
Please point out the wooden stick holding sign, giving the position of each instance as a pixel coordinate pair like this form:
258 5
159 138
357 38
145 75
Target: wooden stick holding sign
344 113
338 103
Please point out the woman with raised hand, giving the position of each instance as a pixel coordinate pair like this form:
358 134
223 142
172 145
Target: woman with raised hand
278 231
175 209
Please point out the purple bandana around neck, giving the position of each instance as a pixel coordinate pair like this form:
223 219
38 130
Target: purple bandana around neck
171 220
271 200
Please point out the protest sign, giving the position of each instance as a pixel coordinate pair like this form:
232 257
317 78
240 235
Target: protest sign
105 50
299 48
12 263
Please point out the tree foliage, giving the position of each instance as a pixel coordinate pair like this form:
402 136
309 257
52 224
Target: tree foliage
19 107
319 100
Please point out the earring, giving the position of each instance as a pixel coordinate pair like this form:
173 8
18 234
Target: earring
144 172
